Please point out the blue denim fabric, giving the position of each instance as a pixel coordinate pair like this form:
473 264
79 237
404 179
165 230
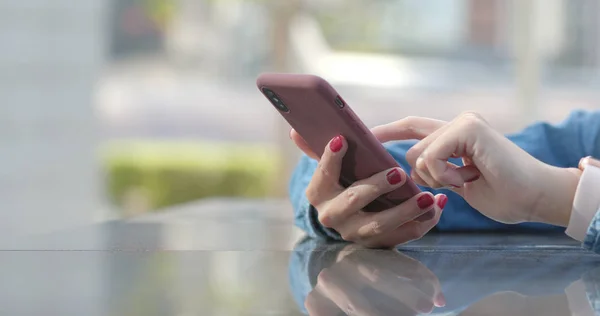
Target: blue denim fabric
561 145
592 288
592 239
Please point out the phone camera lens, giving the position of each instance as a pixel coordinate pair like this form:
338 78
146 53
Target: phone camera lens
339 102
276 100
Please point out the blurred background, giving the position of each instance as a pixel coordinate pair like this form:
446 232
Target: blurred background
117 108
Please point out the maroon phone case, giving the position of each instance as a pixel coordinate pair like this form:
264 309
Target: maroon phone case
314 114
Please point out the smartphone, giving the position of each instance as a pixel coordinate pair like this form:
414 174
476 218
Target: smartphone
318 113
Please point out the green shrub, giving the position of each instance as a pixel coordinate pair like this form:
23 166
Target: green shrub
170 173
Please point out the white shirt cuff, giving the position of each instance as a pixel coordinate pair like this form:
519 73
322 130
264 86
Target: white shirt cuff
585 204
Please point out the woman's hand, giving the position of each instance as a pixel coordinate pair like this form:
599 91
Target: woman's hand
588 161
374 282
498 178
340 208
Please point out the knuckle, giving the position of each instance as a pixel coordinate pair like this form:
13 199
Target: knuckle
323 169
375 228
412 120
312 195
428 160
352 197
325 219
472 119
376 187
323 277
471 115
408 123
420 162
348 236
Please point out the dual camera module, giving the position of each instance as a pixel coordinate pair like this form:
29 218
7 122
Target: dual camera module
280 105
276 100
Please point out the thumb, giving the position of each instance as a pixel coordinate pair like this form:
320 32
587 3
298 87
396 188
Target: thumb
412 127
588 161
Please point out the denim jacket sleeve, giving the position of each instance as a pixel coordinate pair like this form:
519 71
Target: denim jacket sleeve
305 215
560 145
592 239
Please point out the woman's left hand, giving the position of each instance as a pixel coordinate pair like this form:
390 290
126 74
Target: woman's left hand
373 282
497 178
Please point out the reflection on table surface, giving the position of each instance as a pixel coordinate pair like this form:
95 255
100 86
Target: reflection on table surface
220 224
243 258
145 283
346 279
210 258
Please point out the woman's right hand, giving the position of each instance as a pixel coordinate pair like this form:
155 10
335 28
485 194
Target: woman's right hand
340 208
498 178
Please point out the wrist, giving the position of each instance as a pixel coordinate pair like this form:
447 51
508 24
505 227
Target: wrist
555 199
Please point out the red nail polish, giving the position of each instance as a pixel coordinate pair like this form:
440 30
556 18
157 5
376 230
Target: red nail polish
475 178
394 177
425 201
336 144
442 201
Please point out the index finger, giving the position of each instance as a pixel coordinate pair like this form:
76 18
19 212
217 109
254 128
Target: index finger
411 127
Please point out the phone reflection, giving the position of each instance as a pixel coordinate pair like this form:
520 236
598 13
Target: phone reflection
346 279
374 282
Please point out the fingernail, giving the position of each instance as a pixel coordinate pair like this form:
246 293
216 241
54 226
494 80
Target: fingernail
583 162
290 134
424 306
425 217
442 201
425 201
394 177
475 178
440 300
336 144
588 161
